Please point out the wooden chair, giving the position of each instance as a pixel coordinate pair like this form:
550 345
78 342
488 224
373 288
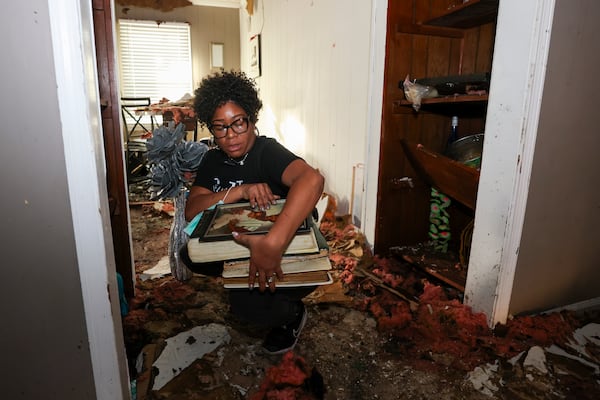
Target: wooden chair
135 150
129 105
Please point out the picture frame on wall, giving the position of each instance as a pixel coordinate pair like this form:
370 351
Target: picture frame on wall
255 66
216 55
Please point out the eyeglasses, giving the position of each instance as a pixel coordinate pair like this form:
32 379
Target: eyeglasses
238 127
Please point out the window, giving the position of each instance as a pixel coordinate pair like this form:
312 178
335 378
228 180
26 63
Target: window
155 59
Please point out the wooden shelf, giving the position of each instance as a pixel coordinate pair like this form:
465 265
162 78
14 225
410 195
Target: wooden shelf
461 98
414 29
467 15
451 102
455 179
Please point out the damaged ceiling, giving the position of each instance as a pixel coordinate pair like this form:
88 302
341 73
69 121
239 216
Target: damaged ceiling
170 5
161 5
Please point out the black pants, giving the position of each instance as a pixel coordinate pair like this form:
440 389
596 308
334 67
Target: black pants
266 308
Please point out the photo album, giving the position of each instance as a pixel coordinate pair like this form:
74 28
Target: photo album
305 261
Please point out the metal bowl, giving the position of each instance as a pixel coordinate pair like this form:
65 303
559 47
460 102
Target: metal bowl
467 150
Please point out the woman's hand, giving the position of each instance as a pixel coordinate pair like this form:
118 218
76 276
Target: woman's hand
200 198
266 251
259 195
265 260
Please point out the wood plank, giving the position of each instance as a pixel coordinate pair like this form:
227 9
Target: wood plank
415 29
467 98
399 106
451 177
113 144
445 271
466 15
420 55
396 202
469 55
485 47
438 61
412 300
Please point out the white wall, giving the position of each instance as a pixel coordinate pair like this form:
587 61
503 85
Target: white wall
321 83
533 243
61 335
315 57
207 24
559 254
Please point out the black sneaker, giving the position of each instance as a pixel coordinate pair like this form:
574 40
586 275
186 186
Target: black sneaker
282 339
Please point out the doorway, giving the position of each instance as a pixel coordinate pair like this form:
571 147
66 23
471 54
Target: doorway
207 25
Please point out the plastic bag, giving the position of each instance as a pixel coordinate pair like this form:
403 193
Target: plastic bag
178 238
414 92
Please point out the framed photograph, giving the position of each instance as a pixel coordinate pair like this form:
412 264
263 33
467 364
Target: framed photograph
216 55
255 67
242 218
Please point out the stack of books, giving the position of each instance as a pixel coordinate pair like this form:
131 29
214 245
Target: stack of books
305 261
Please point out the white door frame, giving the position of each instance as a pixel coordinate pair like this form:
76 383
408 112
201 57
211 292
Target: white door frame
77 89
516 89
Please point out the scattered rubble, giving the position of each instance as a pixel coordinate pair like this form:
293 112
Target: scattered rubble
186 347
386 329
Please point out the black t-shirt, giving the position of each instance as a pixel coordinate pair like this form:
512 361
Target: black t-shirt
265 163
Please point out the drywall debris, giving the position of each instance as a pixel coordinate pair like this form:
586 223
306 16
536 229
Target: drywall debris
514 360
480 378
186 347
536 358
554 349
583 336
162 268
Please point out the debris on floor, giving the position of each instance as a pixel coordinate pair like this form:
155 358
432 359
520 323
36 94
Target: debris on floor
186 347
445 267
291 379
385 329
161 269
481 378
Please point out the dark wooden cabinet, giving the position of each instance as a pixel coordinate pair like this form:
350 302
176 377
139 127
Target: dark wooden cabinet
435 38
113 142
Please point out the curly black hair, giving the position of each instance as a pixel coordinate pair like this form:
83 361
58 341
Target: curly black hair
221 87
